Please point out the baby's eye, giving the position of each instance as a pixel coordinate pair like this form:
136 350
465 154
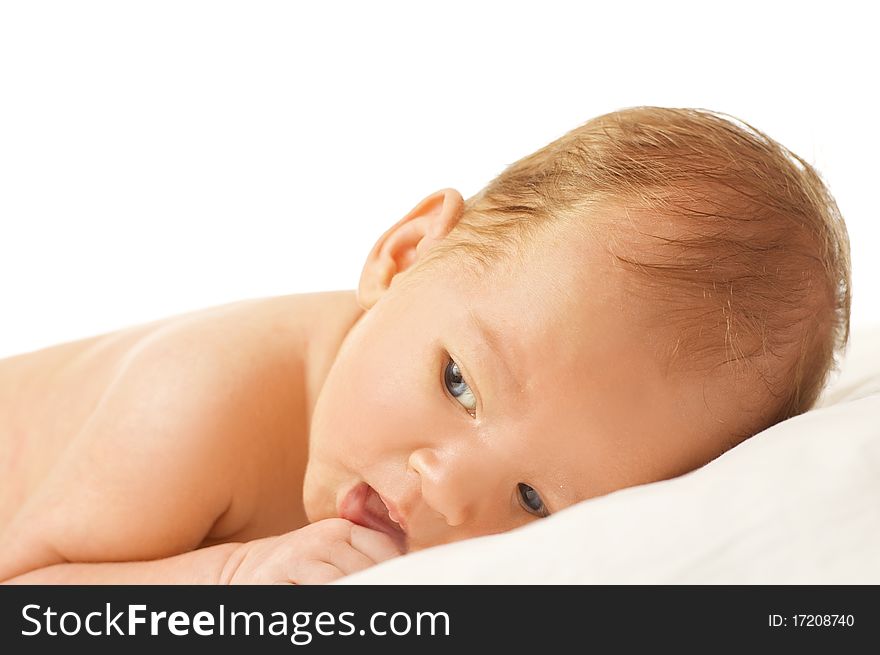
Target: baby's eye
530 500
459 389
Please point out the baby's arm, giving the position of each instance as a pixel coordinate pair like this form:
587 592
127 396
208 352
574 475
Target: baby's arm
202 566
316 554
152 470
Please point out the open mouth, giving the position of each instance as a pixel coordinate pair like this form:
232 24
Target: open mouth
362 505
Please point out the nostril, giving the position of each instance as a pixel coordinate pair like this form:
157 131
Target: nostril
454 519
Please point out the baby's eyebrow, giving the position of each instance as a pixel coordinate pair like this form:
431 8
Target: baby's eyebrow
492 339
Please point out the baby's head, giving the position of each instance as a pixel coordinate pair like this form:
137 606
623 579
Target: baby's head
618 308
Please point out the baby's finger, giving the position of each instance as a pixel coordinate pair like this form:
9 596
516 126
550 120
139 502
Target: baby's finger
376 545
317 572
348 559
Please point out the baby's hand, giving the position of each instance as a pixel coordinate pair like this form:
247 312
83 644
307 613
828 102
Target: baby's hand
315 554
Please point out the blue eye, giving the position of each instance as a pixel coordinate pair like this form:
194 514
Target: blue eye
530 500
459 389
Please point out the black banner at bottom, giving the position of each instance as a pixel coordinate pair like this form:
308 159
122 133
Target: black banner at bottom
433 618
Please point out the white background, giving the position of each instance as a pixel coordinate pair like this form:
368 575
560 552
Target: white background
160 157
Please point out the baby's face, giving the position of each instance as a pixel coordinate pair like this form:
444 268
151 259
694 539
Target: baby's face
474 406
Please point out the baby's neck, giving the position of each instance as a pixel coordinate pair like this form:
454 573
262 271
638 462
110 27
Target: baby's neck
332 314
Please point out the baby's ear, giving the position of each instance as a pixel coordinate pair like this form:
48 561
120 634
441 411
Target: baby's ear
408 240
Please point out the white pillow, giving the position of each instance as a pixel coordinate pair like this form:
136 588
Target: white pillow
798 503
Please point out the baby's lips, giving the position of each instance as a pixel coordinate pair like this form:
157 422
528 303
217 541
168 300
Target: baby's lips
362 505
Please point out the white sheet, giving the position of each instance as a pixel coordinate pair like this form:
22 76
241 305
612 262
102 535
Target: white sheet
798 503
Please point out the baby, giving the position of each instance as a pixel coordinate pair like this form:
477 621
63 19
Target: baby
620 307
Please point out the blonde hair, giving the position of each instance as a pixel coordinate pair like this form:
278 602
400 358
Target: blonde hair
740 235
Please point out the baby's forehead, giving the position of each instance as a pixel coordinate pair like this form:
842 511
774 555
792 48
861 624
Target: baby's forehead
696 288
558 287
664 287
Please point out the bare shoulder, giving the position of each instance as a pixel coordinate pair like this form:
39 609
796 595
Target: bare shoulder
199 437
309 327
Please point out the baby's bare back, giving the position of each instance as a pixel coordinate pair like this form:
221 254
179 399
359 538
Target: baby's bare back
163 437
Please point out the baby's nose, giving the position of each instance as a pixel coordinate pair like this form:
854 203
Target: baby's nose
450 485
